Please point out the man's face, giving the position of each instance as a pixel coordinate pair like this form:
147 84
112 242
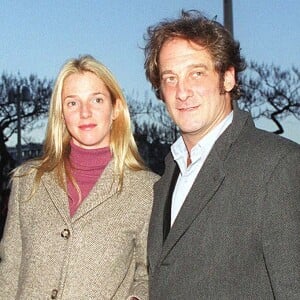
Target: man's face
191 89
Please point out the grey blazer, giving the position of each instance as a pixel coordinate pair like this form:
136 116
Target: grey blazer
237 235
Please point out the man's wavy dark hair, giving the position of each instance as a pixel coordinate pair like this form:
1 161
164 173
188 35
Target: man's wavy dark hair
195 27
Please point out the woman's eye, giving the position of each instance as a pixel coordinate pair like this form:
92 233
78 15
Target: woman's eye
197 74
97 100
71 103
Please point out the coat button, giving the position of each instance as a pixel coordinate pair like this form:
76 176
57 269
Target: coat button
54 294
65 233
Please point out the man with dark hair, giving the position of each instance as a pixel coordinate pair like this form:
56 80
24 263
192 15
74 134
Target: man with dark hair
226 215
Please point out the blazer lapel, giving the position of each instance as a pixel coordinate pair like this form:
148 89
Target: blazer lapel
206 184
156 226
208 180
168 204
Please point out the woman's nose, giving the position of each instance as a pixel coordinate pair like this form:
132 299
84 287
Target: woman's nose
85 110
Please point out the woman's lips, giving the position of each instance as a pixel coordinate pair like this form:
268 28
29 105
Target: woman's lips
87 126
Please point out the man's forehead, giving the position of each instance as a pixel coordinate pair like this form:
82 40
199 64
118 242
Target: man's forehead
184 53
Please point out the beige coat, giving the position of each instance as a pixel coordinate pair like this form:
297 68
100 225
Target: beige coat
100 253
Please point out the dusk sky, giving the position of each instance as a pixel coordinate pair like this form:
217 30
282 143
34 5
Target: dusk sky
38 36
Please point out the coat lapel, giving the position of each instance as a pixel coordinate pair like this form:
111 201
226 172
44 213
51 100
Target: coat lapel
57 195
104 189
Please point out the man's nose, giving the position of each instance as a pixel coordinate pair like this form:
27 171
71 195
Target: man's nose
183 90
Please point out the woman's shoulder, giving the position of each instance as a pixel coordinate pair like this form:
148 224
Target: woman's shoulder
140 181
138 188
26 168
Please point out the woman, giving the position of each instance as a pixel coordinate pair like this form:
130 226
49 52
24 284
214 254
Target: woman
78 217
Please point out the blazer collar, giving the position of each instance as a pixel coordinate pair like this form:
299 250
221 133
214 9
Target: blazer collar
205 186
241 120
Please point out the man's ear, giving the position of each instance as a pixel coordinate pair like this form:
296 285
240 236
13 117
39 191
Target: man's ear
229 79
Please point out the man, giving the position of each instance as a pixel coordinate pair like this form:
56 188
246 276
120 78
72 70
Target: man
226 213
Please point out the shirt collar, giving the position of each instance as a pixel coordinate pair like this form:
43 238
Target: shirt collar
203 147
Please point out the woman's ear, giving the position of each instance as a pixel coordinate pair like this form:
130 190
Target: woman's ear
116 109
229 79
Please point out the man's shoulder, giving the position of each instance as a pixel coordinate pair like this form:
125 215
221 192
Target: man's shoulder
262 149
260 138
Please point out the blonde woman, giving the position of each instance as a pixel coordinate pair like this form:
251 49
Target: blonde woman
78 217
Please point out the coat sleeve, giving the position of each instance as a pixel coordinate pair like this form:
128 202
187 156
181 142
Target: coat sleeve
139 288
281 227
11 247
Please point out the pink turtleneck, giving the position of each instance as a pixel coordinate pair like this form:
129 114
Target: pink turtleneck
87 167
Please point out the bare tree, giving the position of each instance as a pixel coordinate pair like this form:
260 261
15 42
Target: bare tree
271 92
23 101
153 129
149 117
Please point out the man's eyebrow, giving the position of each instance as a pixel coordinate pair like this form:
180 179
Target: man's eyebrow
166 72
192 66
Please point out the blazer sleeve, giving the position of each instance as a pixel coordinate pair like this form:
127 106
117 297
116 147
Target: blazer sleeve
281 227
11 247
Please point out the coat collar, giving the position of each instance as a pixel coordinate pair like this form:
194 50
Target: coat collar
206 184
107 184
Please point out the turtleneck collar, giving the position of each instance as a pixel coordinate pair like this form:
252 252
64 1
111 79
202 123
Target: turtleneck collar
87 166
89 159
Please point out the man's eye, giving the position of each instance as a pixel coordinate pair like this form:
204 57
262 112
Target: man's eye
169 79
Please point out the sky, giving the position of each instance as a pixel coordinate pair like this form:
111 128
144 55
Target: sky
37 37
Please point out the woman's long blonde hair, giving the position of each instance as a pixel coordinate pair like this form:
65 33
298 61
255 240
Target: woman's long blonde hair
57 141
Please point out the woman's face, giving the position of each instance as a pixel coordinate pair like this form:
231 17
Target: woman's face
88 110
